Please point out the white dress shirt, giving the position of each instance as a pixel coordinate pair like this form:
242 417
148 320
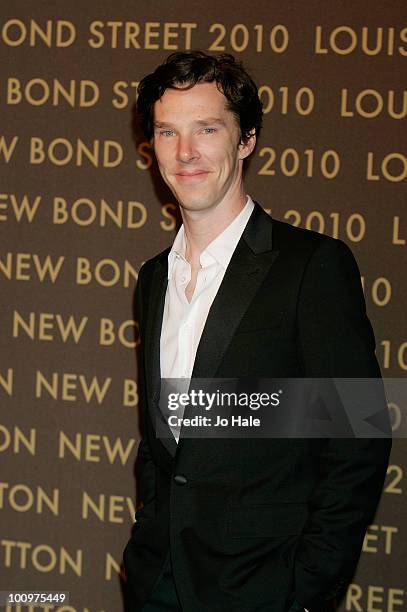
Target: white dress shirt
183 321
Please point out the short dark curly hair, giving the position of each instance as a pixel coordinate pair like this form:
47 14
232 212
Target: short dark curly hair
188 68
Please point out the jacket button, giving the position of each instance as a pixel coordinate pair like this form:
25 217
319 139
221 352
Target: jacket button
180 479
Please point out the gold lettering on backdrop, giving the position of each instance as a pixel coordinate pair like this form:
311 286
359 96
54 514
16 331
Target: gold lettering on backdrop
60 33
48 326
302 101
22 208
170 223
291 163
122 97
69 387
170 35
105 272
393 167
394 477
39 92
42 557
133 35
396 237
61 152
344 40
130 393
396 419
151 35
27 266
375 541
113 568
110 508
84 212
145 149
239 37
352 227
6 381
370 103
7 149
126 333
15 440
21 498
374 599
397 353
380 290
93 448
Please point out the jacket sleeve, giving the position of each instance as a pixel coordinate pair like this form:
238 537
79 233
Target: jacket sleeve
145 467
336 340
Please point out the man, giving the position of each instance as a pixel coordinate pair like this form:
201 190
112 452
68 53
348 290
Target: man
265 525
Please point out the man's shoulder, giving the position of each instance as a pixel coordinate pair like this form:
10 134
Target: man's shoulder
288 237
304 245
283 232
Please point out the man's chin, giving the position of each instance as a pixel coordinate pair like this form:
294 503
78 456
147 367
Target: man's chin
192 205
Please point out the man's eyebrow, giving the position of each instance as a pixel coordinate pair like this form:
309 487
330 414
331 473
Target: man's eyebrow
161 124
210 121
207 121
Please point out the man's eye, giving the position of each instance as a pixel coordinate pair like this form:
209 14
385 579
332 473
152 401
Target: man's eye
209 130
166 133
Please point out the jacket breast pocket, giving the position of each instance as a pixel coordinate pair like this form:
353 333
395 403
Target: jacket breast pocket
267 520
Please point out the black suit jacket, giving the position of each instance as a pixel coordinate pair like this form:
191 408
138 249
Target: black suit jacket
253 525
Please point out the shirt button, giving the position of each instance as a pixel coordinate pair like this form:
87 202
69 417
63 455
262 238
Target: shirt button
180 479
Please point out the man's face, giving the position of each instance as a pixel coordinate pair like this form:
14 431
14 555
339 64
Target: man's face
198 149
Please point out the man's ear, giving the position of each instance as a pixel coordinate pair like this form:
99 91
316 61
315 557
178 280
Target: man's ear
246 146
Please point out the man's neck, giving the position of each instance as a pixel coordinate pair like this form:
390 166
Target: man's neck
201 230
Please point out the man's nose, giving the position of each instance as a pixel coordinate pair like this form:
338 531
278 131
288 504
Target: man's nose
186 150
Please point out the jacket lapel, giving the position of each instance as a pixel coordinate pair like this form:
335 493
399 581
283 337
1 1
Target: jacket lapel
247 269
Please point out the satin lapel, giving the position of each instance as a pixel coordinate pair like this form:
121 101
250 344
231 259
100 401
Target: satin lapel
242 280
152 347
247 269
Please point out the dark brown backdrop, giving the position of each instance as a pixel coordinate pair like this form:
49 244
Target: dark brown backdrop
80 212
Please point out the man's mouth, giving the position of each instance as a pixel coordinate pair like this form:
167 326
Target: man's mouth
192 174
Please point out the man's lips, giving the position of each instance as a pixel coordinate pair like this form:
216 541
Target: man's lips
194 174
